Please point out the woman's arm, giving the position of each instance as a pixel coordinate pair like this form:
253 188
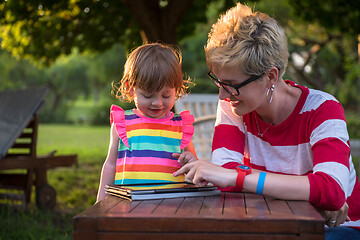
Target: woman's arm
109 167
280 186
288 187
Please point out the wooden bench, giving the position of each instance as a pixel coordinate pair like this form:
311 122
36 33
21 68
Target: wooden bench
203 107
21 167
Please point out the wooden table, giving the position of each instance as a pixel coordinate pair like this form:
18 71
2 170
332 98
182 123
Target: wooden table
227 216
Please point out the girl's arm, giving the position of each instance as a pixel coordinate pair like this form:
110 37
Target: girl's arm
190 148
109 167
189 155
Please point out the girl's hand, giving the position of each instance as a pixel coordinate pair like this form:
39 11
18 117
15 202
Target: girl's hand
202 172
335 218
185 157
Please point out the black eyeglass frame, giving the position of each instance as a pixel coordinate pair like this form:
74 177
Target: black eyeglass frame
236 87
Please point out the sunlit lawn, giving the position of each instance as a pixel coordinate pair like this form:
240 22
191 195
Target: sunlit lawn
76 186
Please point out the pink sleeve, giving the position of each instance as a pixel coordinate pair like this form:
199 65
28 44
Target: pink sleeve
117 117
188 128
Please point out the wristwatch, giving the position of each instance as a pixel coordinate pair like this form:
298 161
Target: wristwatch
242 170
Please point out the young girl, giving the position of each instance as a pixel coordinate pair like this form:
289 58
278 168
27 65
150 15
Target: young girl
143 139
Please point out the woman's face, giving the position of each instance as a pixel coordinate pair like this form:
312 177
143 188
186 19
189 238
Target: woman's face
250 97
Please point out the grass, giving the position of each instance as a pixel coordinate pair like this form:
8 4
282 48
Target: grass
89 142
35 224
76 186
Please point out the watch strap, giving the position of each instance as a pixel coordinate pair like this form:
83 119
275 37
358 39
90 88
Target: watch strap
240 179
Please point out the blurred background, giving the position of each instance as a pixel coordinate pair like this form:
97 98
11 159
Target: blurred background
77 48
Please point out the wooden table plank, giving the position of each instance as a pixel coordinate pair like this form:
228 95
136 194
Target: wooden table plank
85 223
212 206
305 211
256 206
100 207
190 207
279 208
168 207
197 236
229 216
145 208
234 205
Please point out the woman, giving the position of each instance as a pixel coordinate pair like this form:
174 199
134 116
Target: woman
294 137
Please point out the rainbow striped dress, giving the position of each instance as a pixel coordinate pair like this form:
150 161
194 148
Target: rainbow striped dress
146 145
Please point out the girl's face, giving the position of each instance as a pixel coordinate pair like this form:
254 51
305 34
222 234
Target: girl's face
251 96
154 105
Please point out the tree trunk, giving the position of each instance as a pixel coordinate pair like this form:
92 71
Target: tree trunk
156 22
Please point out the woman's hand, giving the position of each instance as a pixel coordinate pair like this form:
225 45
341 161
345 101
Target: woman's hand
202 172
335 218
185 157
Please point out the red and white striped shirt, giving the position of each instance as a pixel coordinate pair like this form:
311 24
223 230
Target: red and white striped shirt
312 141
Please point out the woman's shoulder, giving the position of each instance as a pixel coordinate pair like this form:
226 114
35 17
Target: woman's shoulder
317 98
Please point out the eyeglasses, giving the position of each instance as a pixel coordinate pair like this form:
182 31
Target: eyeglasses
233 89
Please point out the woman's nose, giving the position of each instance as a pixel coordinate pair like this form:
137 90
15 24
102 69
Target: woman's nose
223 94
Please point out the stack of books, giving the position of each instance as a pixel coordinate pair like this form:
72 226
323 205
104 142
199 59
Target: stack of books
150 191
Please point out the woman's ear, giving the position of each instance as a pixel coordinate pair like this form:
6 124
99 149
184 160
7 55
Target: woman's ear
273 75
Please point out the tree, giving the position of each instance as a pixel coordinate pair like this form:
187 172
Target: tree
337 15
43 30
335 56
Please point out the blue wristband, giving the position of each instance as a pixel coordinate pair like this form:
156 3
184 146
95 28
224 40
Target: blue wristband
260 184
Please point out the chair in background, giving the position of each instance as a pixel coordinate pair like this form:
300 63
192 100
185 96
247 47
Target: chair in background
203 107
18 138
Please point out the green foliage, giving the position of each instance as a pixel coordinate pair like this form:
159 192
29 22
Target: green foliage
330 60
57 115
204 86
68 79
334 15
353 125
100 115
17 74
45 30
349 90
322 51
34 224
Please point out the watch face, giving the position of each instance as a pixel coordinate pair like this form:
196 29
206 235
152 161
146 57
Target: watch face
243 167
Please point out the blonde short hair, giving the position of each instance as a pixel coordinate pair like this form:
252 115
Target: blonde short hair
150 67
254 42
